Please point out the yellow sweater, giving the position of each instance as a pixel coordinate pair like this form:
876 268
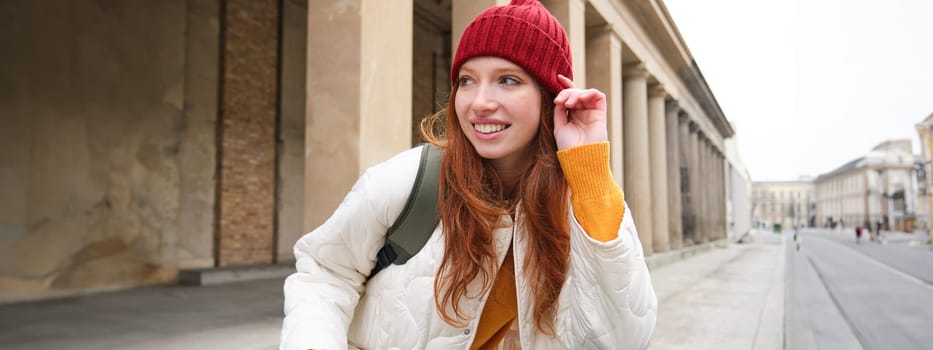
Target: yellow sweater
598 206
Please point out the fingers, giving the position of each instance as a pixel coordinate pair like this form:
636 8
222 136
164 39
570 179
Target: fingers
560 116
573 98
567 93
566 82
594 99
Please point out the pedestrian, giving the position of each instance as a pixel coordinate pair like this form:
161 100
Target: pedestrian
879 238
535 248
858 234
796 239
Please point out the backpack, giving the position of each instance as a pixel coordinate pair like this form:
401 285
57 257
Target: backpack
416 223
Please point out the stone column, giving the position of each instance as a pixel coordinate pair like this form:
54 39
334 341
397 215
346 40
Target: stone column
363 116
637 177
658 154
702 189
723 197
462 12
716 170
196 151
712 191
672 120
693 183
290 190
720 197
726 193
572 16
604 72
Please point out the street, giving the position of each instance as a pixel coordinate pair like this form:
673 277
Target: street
843 295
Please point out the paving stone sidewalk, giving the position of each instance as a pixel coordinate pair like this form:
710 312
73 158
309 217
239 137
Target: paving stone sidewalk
728 298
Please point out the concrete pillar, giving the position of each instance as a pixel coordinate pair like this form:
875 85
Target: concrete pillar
604 72
686 176
729 201
723 197
693 183
710 186
572 16
720 195
658 153
672 119
637 176
369 47
710 192
714 170
728 195
290 192
196 161
702 189
462 12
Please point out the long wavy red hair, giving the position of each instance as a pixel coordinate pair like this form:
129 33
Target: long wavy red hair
473 200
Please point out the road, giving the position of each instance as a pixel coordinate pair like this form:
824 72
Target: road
843 295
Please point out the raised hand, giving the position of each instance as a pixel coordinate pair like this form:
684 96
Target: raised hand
579 116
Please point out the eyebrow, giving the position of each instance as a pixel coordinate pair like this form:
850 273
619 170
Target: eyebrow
497 71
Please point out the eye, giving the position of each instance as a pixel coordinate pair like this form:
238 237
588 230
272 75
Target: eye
464 80
509 80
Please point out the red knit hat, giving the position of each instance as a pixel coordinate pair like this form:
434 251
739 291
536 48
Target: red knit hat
523 32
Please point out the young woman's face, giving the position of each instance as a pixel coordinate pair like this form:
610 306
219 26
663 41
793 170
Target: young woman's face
499 108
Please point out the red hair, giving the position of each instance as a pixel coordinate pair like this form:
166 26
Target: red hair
472 201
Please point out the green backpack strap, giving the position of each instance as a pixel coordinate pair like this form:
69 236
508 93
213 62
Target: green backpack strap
418 219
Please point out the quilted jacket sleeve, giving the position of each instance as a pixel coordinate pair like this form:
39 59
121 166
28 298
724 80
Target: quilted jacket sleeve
333 261
608 301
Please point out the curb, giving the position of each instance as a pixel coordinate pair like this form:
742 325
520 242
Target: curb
658 260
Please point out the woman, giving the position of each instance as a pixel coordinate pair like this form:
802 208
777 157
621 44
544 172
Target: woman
535 248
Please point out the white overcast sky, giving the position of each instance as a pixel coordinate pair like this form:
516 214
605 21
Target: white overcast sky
812 84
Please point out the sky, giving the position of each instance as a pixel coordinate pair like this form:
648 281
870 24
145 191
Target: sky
809 85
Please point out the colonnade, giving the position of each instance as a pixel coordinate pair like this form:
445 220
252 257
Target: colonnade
666 132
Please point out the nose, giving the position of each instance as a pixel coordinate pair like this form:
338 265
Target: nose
485 101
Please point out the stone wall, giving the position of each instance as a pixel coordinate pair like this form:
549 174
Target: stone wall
103 171
247 157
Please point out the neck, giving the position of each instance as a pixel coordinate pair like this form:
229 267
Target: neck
510 173
510 180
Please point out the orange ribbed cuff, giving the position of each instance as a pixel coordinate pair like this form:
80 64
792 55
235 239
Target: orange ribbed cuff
598 202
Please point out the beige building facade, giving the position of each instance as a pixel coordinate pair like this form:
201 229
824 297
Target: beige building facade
738 193
207 134
924 181
785 203
878 189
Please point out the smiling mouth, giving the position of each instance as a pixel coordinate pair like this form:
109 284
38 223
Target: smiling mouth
490 128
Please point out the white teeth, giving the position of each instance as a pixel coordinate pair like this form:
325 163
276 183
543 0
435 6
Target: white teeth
488 128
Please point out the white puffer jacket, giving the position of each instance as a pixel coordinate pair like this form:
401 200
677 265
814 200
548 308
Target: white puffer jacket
607 301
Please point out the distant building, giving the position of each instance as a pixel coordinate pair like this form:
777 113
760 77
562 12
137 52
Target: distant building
878 188
923 168
785 203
